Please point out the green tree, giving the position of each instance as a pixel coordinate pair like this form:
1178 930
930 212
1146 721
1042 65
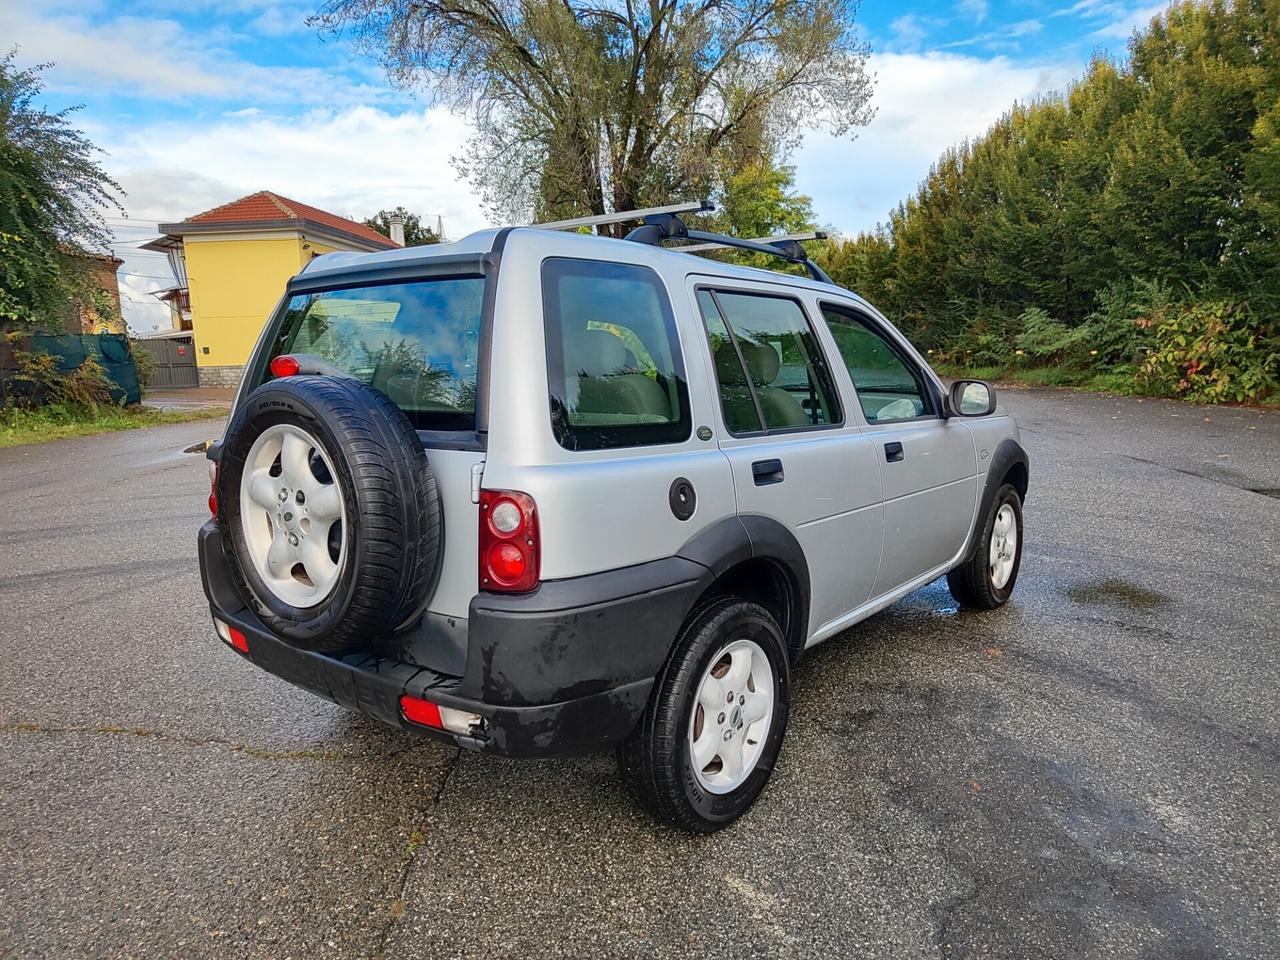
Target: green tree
582 107
1159 172
52 195
415 234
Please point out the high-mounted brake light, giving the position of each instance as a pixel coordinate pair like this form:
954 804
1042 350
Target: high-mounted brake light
284 366
509 541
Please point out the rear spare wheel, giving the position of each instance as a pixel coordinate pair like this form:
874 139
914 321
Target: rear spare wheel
328 511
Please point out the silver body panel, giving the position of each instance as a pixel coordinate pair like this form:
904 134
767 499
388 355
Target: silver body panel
871 530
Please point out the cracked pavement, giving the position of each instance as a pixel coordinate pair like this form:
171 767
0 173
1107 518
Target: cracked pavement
1093 771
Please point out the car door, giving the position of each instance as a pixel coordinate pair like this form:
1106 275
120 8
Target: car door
927 462
795 455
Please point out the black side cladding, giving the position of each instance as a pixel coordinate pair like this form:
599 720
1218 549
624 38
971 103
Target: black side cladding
393 526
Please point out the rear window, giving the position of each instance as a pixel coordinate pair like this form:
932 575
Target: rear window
614 370
416 342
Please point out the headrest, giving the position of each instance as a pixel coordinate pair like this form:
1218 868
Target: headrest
597 353
762 361
728 369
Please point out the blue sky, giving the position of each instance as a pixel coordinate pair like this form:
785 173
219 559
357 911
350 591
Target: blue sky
199 102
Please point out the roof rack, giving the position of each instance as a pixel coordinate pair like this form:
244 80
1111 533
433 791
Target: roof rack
777 238
628 216
656 228
658 224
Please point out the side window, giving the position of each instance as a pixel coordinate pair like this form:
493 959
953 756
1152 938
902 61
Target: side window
771 370
889 388
614 370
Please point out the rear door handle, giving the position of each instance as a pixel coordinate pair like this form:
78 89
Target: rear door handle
893 452
766 472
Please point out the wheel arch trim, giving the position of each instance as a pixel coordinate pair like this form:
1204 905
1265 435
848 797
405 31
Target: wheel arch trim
736 540
1008 456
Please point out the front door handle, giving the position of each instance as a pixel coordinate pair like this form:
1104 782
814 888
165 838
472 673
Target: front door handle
893 452
766 472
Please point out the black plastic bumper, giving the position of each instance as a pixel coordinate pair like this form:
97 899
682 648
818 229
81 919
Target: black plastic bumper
565 669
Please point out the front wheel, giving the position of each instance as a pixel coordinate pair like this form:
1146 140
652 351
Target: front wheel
710 736
985 580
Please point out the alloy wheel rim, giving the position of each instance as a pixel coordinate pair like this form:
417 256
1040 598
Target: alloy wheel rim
1004 546
291 513
731 716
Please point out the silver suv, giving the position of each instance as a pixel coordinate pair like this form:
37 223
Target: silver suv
538 492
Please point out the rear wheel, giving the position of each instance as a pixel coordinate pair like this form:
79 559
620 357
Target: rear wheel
714 725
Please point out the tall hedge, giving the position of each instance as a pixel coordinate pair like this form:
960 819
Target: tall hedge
1161 169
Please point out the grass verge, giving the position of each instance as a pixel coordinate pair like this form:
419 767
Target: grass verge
1065 378
19 427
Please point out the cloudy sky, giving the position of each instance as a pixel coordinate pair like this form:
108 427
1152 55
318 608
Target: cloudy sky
200 102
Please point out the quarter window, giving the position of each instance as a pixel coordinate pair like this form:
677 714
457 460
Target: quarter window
614 370
771 370
889 388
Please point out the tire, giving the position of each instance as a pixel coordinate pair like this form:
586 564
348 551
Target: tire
657 761
975 584
385 548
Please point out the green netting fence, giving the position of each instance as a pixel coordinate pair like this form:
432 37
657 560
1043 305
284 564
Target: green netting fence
71 350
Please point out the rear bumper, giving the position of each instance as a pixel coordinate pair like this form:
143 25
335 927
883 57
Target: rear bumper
565 669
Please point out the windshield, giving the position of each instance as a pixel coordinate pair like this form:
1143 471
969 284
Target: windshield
416 342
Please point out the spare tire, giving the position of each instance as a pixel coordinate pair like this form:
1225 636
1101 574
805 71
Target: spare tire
328 510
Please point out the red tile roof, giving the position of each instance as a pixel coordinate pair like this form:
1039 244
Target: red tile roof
265 205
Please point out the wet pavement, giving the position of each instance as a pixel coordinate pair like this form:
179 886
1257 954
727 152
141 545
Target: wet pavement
190 398
1093 771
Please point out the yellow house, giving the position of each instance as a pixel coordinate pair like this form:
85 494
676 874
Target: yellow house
233 262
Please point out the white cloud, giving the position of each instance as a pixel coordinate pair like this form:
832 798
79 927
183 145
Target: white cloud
1122 25
1116 19
997 38
352 162
909 31
925 103
278 20
158 59
975 10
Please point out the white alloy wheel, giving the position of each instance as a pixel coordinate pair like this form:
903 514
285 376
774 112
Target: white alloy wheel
731 717
1004 546
287 514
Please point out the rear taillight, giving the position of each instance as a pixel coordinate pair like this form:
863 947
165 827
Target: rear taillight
213 489
508 541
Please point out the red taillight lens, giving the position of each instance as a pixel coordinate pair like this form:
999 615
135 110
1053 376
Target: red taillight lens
284 366
507 562
238 639
213 491
417 710
509 546
231 636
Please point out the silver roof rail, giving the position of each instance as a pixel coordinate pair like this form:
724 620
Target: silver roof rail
704 247
627 216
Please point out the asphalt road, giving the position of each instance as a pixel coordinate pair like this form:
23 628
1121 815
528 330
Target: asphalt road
1093 771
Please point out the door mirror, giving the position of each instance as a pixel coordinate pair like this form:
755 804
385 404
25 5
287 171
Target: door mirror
972 398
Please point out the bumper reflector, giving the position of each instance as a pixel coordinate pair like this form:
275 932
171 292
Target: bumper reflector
231 636
428 714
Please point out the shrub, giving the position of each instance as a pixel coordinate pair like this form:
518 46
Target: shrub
1044 339
1115 333
144 363
1211 351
